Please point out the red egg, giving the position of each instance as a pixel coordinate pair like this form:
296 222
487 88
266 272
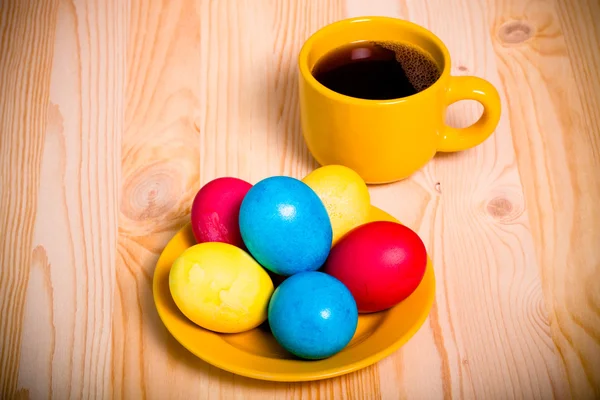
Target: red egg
381 263
216 209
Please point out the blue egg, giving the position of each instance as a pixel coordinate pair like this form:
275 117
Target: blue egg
312 315
285 226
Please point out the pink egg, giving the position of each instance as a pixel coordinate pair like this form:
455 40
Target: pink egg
216 209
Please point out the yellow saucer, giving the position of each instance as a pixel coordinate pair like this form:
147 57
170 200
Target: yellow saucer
256 354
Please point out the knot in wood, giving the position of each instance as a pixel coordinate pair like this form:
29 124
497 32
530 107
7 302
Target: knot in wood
505 207
499 207
503 204
150 193
515 32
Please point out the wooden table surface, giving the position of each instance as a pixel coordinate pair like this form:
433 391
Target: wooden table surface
113 113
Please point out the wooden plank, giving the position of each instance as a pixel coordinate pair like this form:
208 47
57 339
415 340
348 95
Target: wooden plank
26 48
548 51
579 335
159 160
67 341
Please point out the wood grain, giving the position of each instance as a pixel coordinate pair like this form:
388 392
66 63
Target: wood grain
26 47
160 156
554 121
113 114
581 330
66 336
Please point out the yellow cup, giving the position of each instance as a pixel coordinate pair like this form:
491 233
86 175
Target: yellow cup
387 140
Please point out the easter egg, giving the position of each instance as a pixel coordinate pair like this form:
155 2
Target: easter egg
380 262
220 287
285 226
215 211
312 315
344 194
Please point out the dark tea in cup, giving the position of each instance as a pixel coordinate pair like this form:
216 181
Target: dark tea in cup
377 70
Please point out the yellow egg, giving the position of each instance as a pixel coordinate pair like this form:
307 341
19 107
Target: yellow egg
344 194
220 287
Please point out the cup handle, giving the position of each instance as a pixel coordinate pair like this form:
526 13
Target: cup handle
471 88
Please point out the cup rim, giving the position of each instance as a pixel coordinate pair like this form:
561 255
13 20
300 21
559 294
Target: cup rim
322 89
